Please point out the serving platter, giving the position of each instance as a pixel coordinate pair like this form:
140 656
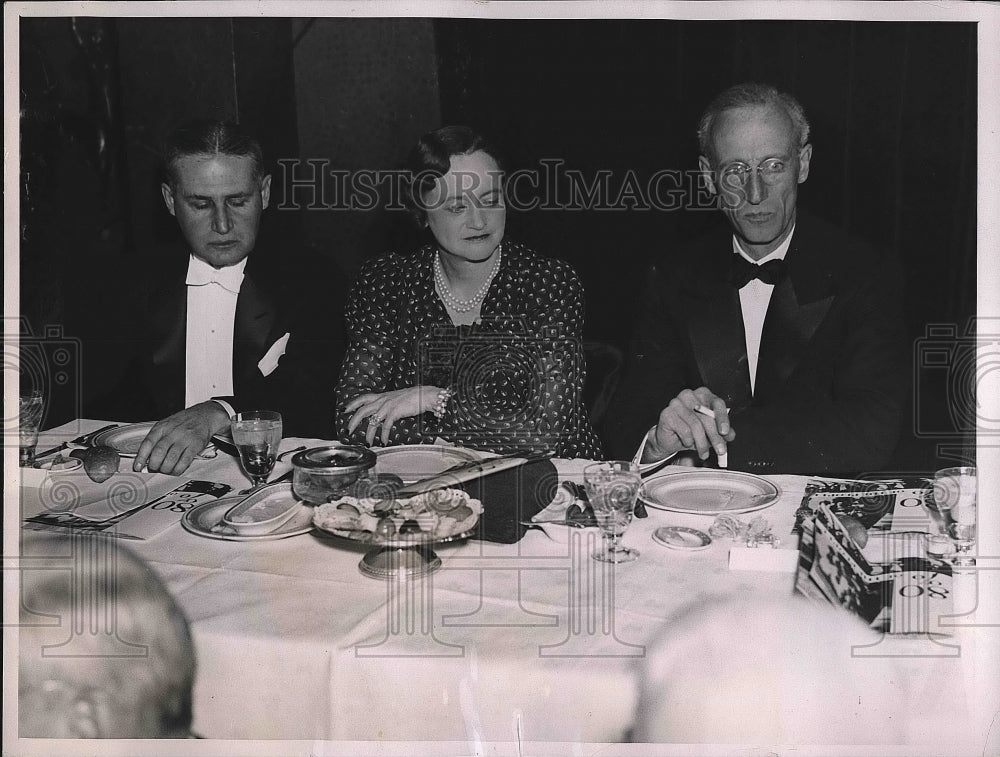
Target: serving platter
434 518
206 520
708 492
413 462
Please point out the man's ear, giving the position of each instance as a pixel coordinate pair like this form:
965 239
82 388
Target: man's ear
84 720
706 172
265 191
71 714
805 155
168 197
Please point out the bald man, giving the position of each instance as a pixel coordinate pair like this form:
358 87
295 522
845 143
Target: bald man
131 677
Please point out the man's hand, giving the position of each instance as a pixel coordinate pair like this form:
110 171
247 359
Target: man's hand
174 442
681 426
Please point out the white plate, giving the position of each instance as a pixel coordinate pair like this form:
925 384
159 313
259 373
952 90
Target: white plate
708 492
414 462
60 464
200 521
681 537
125 440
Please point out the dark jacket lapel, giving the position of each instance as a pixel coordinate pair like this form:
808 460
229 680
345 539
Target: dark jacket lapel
798 306
711 307
254 325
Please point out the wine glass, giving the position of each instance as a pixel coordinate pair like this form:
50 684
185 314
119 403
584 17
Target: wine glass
955 497
257 434
612 488
29 407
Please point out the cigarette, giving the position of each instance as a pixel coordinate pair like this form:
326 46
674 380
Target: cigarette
705 411
724 457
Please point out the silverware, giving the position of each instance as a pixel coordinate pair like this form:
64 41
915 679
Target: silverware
78 442
290 452
470 471
570 523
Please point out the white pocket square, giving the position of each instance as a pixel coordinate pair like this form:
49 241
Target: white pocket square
269 362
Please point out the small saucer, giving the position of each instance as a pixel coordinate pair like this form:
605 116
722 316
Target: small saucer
60 465
682 537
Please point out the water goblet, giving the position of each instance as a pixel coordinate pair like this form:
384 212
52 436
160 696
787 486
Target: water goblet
955 498
29 419
257 434
612 488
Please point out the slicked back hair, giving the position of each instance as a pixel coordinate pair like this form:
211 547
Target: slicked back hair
431 158
210 137
749 95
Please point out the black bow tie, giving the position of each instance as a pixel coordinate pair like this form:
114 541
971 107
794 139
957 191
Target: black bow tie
743 271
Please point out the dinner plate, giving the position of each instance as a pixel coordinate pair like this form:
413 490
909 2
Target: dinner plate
708 492
413 462
125 440
202 519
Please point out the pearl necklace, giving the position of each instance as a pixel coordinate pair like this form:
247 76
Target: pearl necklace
450 300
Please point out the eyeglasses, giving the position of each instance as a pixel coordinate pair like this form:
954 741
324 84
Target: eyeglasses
770 171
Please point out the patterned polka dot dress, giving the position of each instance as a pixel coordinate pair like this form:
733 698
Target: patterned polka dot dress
517 375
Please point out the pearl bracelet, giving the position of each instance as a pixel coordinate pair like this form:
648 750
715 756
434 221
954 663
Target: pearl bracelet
441 403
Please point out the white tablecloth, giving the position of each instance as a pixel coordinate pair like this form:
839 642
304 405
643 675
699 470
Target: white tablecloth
531 642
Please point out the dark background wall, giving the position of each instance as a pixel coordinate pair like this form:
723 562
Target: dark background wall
892 105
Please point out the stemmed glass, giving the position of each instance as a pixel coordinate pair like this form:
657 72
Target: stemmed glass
257 435
29 417
955 497
612 488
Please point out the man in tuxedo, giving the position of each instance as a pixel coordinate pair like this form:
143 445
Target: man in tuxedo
778 342
220 332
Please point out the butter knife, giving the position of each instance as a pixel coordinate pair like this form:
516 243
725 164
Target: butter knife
470 471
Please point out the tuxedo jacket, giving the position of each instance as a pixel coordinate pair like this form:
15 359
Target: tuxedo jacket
302 303
833 367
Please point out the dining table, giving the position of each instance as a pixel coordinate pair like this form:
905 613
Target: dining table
529 643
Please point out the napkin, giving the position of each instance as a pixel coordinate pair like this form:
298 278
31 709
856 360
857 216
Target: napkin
129 504
511 496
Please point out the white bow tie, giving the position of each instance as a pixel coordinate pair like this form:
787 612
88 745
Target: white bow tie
201 273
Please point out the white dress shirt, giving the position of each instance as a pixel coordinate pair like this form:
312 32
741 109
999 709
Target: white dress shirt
754 299
755 296
211 312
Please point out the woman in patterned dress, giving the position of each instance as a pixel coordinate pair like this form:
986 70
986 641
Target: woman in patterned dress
474 338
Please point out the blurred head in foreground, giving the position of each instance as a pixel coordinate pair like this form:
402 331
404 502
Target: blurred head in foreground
768 672
104 650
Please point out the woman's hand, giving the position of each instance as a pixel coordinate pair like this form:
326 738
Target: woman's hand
387 408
